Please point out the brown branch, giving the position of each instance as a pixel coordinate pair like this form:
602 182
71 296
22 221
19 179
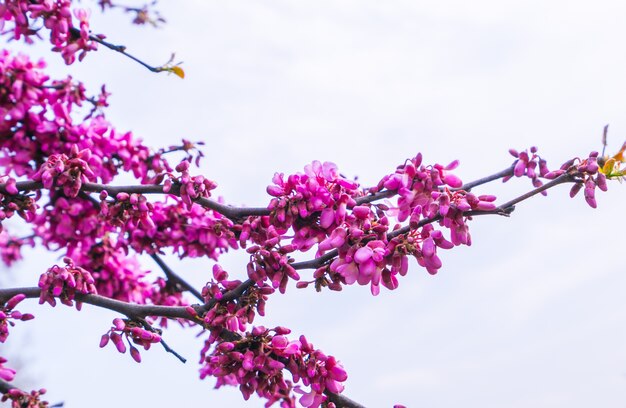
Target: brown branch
119 48
139 312
376 196
501 174
5 386
341 401
174 278
228 296
563 178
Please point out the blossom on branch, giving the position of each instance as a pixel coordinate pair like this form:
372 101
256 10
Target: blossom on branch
64 283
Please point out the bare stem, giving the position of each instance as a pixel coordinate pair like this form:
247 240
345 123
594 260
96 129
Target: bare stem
501 174
175 278
121 49
563 178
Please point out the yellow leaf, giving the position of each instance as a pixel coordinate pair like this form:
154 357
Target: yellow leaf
608 166
178 71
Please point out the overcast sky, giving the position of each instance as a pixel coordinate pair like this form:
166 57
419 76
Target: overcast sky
533 314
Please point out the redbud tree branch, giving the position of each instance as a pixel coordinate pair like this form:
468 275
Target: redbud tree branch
501 174
139 312
233 213
5 386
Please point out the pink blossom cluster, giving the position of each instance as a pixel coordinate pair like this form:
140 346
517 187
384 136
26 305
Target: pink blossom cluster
133 333
68 223
368 256
415 183
7 314
191 187
57 18
38 124
256 361
68 173
129 211
451 208
40 141
190 232
64 283
116 275
272 265
23 399
313 203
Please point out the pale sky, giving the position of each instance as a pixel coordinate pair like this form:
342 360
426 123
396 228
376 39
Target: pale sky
531 315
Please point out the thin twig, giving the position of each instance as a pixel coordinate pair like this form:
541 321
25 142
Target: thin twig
563 178
119 48
175 278
172 351
501 174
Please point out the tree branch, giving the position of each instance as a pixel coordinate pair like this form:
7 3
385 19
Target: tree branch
121 49
341 401
231 212
5 386
563 178
139 312
174 278
501 174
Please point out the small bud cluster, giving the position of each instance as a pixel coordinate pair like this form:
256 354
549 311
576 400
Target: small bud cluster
272 265
529 164
69 173
64 283
12 202
129 211
191 187
589 176
232 315
133 332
